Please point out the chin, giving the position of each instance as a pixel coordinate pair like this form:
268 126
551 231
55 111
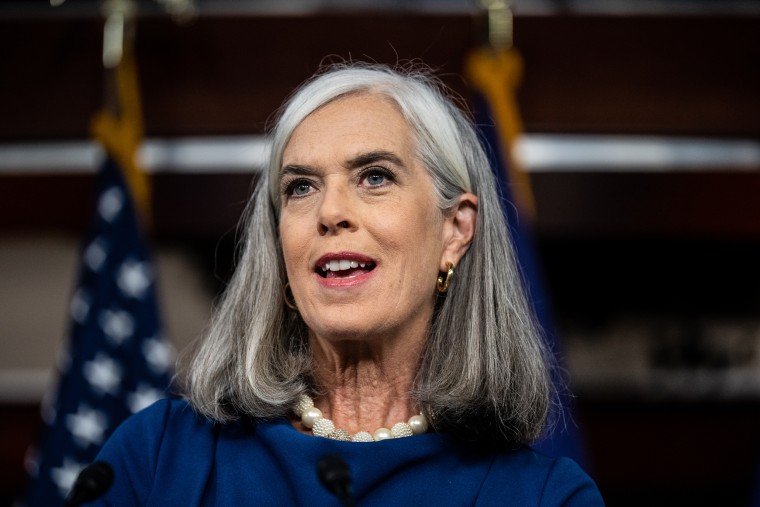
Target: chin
343 331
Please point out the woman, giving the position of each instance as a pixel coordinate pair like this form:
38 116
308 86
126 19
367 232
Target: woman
376 297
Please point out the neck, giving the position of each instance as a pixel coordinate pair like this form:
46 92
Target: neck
365 385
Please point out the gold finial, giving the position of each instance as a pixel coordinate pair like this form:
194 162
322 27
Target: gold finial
118 14
500 28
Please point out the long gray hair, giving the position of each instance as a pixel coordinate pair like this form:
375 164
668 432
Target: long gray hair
484 370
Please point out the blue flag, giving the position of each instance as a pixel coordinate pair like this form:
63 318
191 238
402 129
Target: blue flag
495 76
565 440
117 361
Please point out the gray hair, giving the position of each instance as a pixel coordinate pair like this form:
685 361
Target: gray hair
484 370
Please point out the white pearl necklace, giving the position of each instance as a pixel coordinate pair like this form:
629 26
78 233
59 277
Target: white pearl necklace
311 417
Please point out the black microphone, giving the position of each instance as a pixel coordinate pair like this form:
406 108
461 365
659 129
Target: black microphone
335 475
92 482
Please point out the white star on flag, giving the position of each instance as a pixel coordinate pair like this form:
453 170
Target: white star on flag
110 203
103 374
95 254
158 353
87 426
80 306
63 361
118 325
48 408
143 397
65 475
134 278
31 461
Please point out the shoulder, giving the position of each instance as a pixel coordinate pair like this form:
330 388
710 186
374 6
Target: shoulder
149 446
532 478
163 414
166 425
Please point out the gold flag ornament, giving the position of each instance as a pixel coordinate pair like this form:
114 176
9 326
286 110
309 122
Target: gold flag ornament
496 73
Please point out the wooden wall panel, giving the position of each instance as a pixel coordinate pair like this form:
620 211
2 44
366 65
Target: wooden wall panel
694 75
220 75
662 75
710 204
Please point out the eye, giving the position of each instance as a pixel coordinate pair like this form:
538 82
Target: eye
375 179
298 188
377 176
301 188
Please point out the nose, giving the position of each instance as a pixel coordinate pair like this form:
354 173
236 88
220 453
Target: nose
335 210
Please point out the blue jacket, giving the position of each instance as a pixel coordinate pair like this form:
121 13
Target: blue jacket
168 456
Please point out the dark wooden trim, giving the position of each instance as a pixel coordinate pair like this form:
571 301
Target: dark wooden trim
663 454
716 204
695 75
683 75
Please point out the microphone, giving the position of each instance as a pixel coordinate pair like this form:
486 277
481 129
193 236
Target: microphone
92 482
335 476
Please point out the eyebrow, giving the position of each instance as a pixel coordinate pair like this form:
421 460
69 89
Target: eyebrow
298 170
360 160
374 156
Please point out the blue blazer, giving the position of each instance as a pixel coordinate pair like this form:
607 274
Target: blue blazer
168 456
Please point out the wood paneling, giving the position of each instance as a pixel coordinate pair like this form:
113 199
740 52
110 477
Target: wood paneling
220 75
673 453
691 75
718 205
695 75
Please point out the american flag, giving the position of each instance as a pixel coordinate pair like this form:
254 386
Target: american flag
117 360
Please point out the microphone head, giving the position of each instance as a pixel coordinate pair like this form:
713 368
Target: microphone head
334 474
92 482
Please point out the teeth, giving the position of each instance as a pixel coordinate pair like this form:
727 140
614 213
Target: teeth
342 265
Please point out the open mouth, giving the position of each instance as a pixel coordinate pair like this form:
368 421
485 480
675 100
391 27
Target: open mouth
344 268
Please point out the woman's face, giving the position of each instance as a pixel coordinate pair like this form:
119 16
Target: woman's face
362 236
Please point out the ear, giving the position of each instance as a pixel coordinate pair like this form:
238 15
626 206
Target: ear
459 229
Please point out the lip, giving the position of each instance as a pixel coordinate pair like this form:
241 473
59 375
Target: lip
336 256
344 282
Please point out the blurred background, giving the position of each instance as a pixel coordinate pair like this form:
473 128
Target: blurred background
642 142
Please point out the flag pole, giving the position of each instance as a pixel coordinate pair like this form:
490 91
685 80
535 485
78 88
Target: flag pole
118 127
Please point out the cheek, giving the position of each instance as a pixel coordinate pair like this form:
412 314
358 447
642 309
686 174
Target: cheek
292 245
415 232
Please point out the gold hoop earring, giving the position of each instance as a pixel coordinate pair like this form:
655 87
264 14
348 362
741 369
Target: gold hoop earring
290 305
443 285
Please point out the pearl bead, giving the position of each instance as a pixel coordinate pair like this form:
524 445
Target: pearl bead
340 434
310 415
304 403
419 424
323 427
362 436
401 430
382 434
